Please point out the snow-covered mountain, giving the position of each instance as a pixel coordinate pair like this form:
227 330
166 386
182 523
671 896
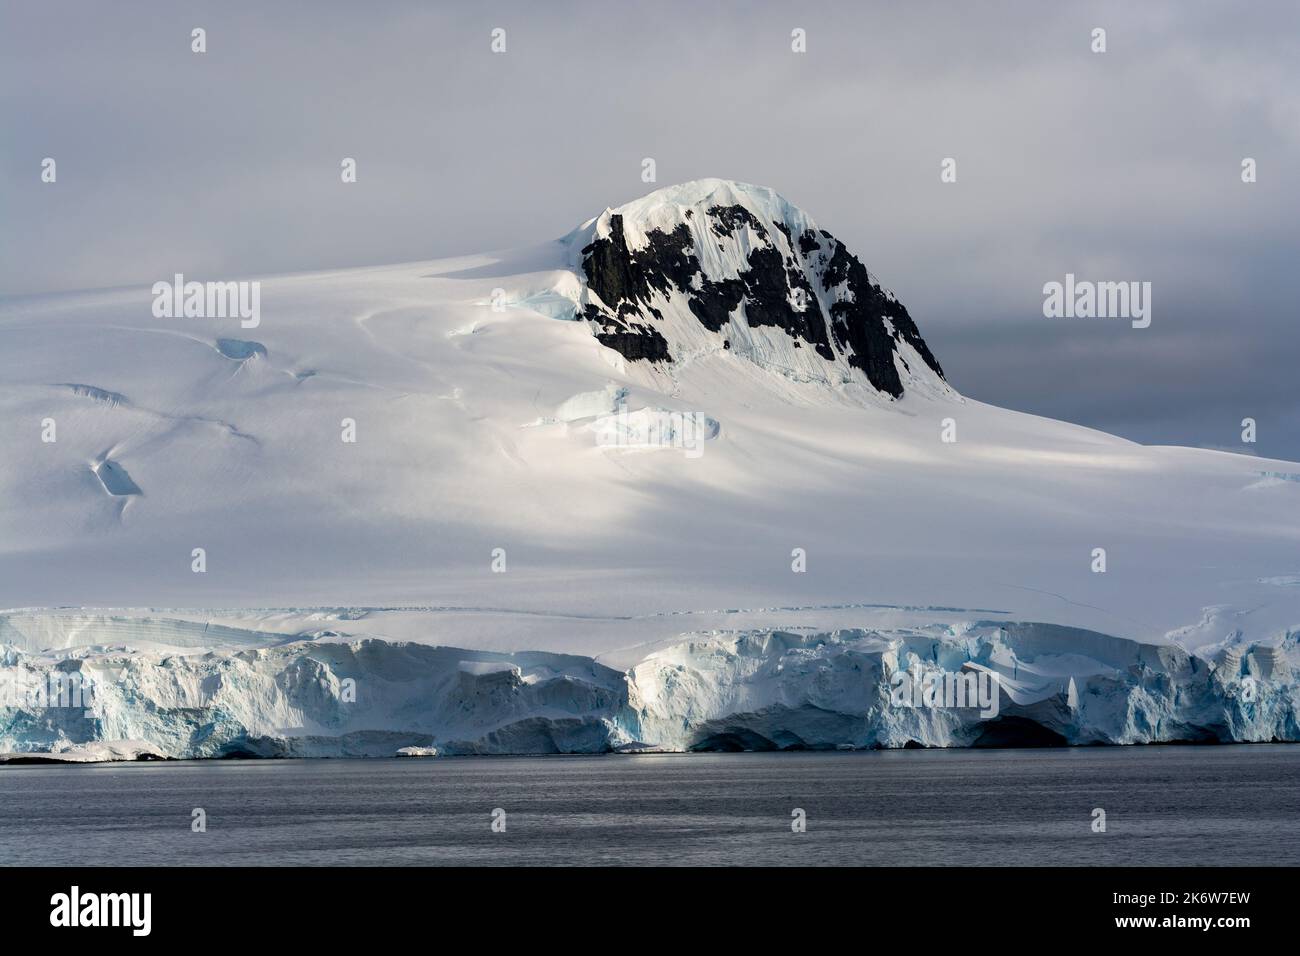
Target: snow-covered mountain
715 265
688 476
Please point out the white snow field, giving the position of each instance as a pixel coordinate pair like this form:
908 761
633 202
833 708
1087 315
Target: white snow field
583 476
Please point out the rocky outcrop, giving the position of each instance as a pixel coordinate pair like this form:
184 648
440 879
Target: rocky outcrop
735 259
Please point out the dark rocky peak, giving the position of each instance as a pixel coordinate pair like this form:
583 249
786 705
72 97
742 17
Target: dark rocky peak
741 265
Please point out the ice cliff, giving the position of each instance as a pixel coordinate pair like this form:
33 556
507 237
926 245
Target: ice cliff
764 690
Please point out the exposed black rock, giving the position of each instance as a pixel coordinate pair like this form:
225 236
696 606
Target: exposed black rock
714 302
785 231
727 218
618 276
768 294
858 321
777 290
634 340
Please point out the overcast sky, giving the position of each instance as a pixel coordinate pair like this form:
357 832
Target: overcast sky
1117 166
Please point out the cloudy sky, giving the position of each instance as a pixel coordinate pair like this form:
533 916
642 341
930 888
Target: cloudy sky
1117 166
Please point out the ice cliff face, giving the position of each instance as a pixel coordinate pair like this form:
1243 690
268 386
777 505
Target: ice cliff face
364 698
765 690
1055 686
713 265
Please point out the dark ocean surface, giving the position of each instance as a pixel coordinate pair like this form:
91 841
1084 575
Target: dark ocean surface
1164 806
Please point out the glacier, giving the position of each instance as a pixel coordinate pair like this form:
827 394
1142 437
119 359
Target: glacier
687 477
751 690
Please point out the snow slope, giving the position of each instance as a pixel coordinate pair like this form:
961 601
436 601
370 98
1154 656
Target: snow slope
607 446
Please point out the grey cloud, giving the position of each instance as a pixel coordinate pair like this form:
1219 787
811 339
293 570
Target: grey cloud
1120 166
